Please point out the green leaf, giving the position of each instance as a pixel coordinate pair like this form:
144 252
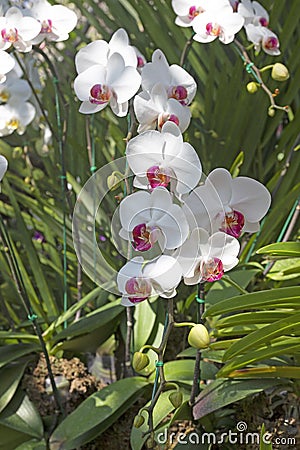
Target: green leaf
9 353
220 393
179 371
10 376
289 249
267 371
144 319
33 444
20 415
281 327
263 445
97 413
283 297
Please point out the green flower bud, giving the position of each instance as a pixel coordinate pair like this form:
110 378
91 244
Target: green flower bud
150 443
140 361
252 87
198 337
138 421
280 72
114 181
271 112
176 399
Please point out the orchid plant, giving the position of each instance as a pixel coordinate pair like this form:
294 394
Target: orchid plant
193 221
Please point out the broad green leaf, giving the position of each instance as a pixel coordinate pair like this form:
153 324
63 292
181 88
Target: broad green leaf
10 376
267 372
178 371
92 321
20 415
144 319
33 444
263 336
9 353
273 298
281 249
220 393
97 413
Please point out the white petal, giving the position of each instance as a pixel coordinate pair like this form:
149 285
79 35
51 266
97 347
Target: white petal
120 109
89 108
132 268
224 247
87 79
144 151
221 181
94 53
187 169
126 85
165 272
145 110
134 210
3 166
28 28
156 71
161 201
174 226
251 198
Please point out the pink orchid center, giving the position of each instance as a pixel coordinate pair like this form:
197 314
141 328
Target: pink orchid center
158 176
213 29
4 96
144 237
194 12
138 288
271 43
140 62
212 270
179 93
164 117
263 21
233 223
10 35
99 94
46 26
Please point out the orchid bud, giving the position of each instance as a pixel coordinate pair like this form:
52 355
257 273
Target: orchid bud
198 337
138 421
280 72
252 87
140 361
114 180
176 399
271 112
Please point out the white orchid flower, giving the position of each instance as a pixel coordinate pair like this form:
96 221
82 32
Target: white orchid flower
7 63
160 159
147 218
153 109
57 21
188 10
14 89
18 30
263 38
178 83
138 281
3 168
220 23
206 258
15 116
113 84
231 205
99 52
253 12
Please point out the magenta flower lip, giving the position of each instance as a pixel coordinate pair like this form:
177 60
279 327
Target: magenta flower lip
233 224
212 270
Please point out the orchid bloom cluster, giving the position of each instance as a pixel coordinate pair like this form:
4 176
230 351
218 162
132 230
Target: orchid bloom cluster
20 29
212 19
192 228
